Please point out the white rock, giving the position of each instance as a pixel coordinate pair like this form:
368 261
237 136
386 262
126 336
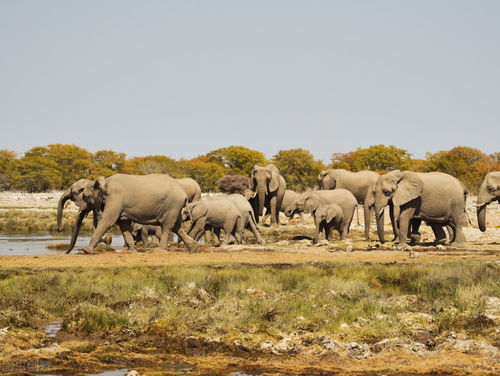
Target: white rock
132 373
283 242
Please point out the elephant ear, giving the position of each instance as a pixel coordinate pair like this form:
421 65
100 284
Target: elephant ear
330 179
331 213
370 196
409 188
252 177
197 211
274 181
100 183
312 204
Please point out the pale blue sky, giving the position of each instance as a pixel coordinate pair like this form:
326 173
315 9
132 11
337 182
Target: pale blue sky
181 78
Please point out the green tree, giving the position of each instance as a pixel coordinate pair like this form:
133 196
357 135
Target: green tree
237 160
154 164
205 172
106 163
37 172
378 158
7 168
73 162
298 167
465 163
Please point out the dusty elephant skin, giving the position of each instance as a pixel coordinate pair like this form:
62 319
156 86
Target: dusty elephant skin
270 188
489 191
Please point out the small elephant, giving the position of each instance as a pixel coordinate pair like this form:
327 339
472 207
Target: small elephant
214 214
434 197
489 191
327 218
289 197
142 232
247 214
270 188
360 184
310 201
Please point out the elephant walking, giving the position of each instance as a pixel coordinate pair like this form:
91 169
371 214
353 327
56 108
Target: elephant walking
360 184
327 218
309 202
85 205
154 199
270 188
434 197
489 191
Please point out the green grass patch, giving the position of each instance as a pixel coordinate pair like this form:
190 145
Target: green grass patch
225 300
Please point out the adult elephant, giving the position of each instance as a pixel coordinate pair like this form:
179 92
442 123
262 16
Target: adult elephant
270 187
489 191
360 184
310 201
434 197
75 194
154 199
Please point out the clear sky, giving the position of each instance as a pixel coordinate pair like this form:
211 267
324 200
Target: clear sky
181 78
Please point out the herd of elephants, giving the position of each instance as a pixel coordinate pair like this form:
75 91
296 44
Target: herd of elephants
158 205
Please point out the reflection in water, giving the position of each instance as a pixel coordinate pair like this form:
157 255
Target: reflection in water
53 328
115 372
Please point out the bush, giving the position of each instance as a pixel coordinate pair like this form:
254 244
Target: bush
89 318
233 184
298 167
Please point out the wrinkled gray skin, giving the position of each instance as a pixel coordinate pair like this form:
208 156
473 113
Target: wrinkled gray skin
434 197
154 199
216 213
142 233
270 187
85 205
247 214
360 184
327 218
310 201
288 198
489 191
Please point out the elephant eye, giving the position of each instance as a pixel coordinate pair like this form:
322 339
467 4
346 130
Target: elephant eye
491 189
387 192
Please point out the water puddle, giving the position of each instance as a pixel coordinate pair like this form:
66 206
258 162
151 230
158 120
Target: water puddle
53 328
116 372
29 244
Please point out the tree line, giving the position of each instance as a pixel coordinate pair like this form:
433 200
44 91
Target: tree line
56 166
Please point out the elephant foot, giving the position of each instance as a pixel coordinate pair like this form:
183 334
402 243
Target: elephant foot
440 242
402 247
107 240
88 250
261 241
194 247
457 244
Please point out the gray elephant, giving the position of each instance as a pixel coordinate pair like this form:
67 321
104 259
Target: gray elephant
270 187
142 233
327 218
434 197
154 199
191 187
360 184
288 198
247 214
489 191
216 213
85 206
310 201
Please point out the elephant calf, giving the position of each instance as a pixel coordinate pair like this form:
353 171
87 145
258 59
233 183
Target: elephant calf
142 232
327 218
214 214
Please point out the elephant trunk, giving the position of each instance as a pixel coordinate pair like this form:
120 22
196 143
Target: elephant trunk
380 226
261 196
60 206
76 229
481 217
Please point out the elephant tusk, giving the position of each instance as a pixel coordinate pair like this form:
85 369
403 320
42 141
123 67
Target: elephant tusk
478 205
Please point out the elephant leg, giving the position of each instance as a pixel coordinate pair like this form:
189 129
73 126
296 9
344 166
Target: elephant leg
144 235
394 223
328 232
126 229
255 231
229 228
302 219
438 233
108 219
451 233
188 241
458 239
217 236
367 214
274 210
414 234
357 215
265 217
404 224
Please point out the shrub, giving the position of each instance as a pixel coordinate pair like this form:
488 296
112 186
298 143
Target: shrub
233 184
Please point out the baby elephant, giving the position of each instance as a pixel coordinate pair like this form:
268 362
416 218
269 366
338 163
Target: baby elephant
327 218
142 232
216 214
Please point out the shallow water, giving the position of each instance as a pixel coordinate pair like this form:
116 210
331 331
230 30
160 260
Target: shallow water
53 328
22 244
